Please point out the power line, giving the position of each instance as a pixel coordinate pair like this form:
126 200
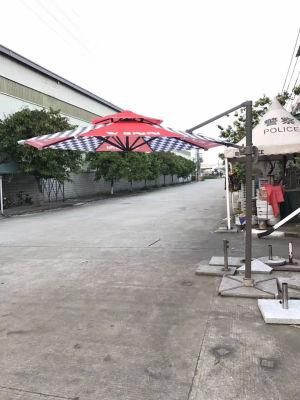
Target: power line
290 61
41 18
287 89
62 25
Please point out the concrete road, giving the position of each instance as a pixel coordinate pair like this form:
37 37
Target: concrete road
102 302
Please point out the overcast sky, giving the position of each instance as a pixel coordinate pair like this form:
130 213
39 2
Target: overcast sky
181 61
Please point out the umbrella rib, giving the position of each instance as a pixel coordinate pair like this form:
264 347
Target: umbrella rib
142 144
120 142
111 143
136 140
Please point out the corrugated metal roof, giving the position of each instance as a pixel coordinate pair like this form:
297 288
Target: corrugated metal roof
32 65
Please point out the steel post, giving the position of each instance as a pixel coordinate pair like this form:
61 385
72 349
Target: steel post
270 252
1 196
227 195
291 261
248 152
225 248
285 296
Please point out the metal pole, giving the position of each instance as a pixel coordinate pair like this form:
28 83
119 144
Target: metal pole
285 296
1 196
291 261
225 248
227 195
248 152
197 167
270 252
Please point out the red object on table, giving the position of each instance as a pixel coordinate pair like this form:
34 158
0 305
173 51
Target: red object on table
275 197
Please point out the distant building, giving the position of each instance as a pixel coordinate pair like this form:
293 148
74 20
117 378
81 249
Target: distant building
24 83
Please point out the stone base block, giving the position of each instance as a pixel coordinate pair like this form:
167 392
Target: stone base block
264 287
273 313
275 262
232 261
214 270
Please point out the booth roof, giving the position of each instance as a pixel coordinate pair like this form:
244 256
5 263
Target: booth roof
277 133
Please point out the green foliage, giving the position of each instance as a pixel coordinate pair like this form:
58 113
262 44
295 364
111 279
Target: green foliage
184 167
168 163
139 166
109 166
41 164
240 171
155 165
236 131
297 90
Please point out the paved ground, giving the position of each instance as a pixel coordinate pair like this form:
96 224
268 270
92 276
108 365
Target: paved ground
102 302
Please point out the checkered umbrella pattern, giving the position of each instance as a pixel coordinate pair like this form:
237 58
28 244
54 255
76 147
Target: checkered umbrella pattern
126 132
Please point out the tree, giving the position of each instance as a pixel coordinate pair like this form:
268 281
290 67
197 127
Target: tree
137 167
185 167
168 165
41 164
155 164
109 166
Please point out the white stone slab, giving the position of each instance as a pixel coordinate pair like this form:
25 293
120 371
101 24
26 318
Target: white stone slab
214 270
257 267
273 313
232 261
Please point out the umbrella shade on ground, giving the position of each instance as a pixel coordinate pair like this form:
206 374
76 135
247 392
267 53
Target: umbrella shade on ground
276 134
125 132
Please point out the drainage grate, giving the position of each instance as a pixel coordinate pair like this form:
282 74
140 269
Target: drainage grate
267 363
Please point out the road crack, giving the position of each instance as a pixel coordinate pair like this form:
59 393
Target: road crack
53 396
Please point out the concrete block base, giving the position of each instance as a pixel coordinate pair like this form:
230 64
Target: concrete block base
288 267
223 229
214 270
264 287
275 262
273 313
257 267
232 261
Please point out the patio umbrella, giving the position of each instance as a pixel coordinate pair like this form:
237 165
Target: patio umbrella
123 132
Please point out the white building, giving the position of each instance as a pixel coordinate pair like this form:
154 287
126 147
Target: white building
24 83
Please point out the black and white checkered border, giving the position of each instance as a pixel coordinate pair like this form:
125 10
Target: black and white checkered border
68 134
166 144
85 144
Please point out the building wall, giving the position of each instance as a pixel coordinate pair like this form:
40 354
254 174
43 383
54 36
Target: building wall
10 105
21 75
16 187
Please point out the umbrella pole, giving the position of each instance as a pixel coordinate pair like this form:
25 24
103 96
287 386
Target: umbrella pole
227 195
248 281
1 196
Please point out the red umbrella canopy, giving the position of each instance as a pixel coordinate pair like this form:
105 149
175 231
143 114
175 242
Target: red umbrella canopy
124 131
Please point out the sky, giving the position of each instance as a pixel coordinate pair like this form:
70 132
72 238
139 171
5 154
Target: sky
181 61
